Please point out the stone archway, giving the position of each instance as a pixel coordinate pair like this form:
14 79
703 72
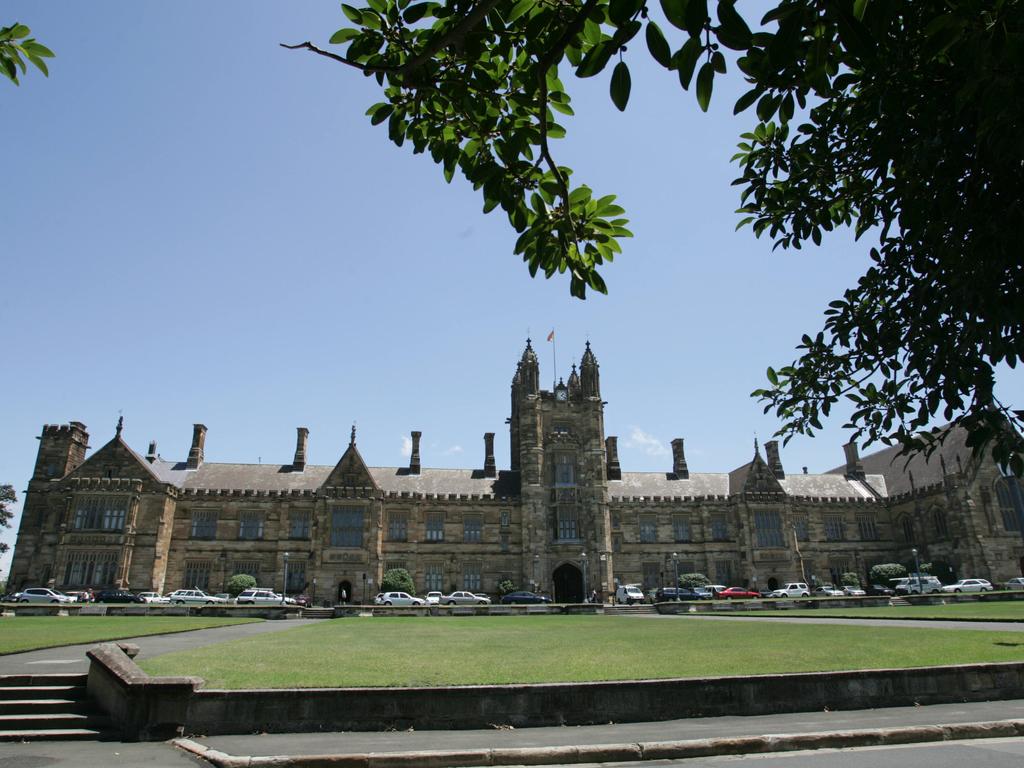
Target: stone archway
568 582
773 583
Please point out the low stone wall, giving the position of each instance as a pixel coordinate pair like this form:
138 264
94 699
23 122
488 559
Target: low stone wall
146 708
138 609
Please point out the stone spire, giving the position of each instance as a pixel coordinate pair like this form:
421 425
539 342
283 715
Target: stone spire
574 383
529 371
590 380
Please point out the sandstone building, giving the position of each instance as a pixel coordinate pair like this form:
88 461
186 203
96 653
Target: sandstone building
564 517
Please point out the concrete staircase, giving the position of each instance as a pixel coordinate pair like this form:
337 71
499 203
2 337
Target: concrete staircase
637 609
318 613
897 601
48 708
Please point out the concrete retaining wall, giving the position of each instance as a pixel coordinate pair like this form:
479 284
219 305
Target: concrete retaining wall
153 708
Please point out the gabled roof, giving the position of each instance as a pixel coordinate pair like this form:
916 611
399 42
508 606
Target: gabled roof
754 477
117 451
351 471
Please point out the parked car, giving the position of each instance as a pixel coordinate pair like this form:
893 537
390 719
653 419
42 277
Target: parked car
628 594
969 585
258 596
433 598
878 590
714 589
118 596
193 597
827 590
703 593
853 591
652 595
42 595
1017 582
465 598
793 589
665 594
154 597
917 585
524 598
303 601
737 593
81 595
400 598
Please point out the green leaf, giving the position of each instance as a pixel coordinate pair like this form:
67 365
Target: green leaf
354 14
685 59
696 16
518 10
705 82
733 32
744 101
658 45
675 12
381 113
620 85
416 12
344 35
595 60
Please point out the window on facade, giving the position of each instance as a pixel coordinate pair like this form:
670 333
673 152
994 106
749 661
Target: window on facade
686 566
296 576
86 569
834 528
723 572
204 524
299 525
398 526
568 523
867 527
802 528
346 527
617 542
940 522
472 529
565 470
719 528
391 565
247 567
435 526
907 526
471 581
250 525
616 521
1010 499
505 538
652 575
648 529
197 574
106 513
681 527
433 577
769 529
506 518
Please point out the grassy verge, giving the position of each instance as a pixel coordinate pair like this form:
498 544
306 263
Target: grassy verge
1001 611
27 633
533 649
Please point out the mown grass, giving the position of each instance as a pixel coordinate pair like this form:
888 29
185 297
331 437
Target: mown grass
974 611
533 649
27 633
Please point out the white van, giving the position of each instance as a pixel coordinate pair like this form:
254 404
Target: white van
916 585
628 594
792 589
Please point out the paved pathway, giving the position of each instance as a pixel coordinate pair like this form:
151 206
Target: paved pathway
72 658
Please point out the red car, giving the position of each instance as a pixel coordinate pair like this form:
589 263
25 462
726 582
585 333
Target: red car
737 593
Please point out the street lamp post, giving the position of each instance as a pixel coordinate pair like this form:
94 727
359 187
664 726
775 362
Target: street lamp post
675 564
917 570
583 558
536 562
284 590
313 599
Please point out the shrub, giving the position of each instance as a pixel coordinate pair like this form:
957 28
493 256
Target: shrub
691 580
239 583
506 586
850 579
884 572
397 580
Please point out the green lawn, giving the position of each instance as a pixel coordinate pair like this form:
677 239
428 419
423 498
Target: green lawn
532 649
1001 611
26 633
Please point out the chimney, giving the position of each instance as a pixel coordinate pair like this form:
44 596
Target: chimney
679 468
490 469
195 453
854 469
299 462
611 451
771 448
151 453
414 459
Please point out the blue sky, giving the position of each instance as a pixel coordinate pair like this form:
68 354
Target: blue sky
200 226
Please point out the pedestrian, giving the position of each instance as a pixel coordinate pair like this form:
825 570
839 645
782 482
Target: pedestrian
344 595
593 595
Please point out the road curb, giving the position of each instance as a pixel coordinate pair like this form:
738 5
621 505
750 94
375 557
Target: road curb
628 752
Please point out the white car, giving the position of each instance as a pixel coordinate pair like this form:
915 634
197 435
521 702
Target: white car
42 595
793 589
854 591
193 597
398 598
1017 582
434 598
258 597
827 590
969 585
154 597
464 598
628 594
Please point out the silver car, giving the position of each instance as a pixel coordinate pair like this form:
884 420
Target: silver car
193 597
464 598
399 598
42 595
969 585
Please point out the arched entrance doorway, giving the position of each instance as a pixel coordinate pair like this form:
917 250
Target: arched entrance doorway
773 583
568 581
344 591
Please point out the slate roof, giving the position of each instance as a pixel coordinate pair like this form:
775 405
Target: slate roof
832 486
649 484
895 468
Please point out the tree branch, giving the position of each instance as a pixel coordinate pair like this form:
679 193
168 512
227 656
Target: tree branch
453 35
310 47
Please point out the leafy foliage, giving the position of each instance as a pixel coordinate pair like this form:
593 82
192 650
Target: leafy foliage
895 119
7 497
883 573
240 582
397 580
15 47
691 580
505 587
850 579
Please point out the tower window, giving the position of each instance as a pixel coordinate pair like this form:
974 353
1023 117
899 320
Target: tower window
565 470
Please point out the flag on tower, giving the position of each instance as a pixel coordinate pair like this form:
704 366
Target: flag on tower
551 336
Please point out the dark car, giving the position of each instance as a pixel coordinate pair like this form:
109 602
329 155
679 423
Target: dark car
665 594
737 593
879 591
524 597
118 596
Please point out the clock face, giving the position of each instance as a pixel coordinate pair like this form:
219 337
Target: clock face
561 394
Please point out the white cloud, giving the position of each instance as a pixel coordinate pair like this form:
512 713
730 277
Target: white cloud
406 445
646 442
453 450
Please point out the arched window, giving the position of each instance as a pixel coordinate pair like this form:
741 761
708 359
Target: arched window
907 526
1009 499
940 522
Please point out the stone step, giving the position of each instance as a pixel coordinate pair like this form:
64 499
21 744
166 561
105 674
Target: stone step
53 721
43 706
54 679
318 613
42 692
57 734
